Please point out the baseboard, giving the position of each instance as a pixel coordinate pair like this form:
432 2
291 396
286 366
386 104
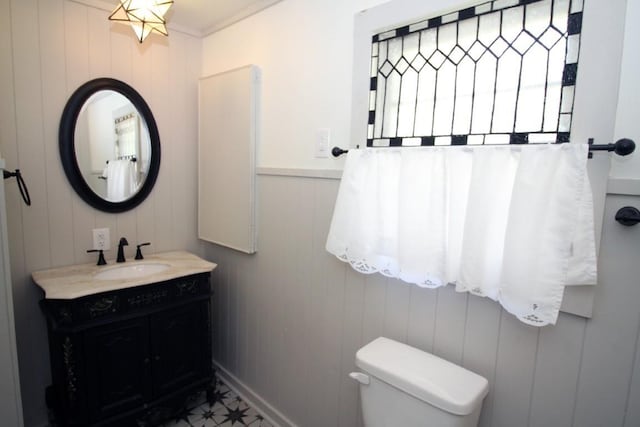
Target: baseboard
270 413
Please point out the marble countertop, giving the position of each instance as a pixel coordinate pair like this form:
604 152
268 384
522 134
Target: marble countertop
76 281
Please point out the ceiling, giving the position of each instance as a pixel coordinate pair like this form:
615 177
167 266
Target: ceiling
206 16
200 17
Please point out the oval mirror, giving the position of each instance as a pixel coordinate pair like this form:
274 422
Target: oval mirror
109 145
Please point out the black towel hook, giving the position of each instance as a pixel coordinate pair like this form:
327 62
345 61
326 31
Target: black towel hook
22 186
628 216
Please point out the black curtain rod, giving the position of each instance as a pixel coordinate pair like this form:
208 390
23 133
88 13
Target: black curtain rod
622 147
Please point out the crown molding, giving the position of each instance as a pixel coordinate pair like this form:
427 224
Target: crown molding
243 14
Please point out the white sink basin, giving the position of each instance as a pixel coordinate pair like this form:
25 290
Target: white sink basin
131 271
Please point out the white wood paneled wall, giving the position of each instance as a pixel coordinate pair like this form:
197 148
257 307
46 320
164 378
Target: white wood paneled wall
289 319
49 48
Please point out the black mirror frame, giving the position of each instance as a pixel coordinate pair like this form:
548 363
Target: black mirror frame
67 144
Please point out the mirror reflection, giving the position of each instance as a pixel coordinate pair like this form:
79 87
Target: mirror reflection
112 146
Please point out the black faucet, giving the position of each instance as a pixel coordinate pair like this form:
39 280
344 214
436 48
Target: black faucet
121 245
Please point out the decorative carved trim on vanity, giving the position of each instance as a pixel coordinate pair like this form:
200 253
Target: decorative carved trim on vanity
64 314
70 368
103 306
148 298
188 287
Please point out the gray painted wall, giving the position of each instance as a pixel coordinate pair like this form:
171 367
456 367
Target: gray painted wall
289 319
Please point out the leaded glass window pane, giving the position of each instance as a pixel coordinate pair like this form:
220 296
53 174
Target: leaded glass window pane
500 72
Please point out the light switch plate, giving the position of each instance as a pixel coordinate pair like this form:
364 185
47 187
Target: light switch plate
323 138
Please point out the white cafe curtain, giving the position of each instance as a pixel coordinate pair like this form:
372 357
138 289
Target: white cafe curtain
513 223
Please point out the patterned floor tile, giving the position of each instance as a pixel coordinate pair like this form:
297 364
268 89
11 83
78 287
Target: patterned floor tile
227 409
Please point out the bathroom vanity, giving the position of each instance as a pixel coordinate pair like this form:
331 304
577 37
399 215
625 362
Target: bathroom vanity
129 343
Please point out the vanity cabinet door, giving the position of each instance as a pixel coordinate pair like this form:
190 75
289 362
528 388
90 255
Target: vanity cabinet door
118 367
179 347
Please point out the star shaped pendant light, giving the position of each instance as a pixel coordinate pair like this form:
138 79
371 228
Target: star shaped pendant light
144 16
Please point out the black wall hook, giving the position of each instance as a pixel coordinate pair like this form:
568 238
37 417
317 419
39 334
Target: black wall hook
22 186
628 216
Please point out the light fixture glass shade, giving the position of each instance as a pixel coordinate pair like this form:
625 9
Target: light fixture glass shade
144 16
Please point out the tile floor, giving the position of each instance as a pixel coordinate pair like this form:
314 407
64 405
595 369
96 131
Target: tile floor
227 410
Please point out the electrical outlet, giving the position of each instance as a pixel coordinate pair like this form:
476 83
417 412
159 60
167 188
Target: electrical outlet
101 239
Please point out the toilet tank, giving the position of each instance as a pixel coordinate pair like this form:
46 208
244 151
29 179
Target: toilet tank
406 386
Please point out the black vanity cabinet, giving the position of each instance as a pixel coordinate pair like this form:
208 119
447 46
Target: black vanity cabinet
129 357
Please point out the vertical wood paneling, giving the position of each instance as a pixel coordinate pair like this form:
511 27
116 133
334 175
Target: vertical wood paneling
533 372
121 52
375 291
330 275
251 323
221 310
481 346
277 351
28 91
241 328
422 314
331 332
515 365
99 63
161 97
610 338
326 305
556 375
351 342
264 286
8 145
51 21
233 315
49 48
76 55
451 314
184 71
632 411
297 231
396 310
31 160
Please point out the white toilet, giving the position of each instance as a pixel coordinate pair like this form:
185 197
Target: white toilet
401 386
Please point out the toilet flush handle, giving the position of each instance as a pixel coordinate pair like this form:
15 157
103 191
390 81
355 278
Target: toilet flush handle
360 377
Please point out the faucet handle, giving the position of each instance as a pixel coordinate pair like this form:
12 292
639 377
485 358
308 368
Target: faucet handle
139 252
101 260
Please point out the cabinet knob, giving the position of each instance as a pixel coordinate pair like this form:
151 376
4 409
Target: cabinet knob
156 357
146 360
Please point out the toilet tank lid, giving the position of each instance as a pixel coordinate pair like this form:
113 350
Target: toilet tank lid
429 378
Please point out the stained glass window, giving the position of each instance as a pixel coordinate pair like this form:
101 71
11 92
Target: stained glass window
498 73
